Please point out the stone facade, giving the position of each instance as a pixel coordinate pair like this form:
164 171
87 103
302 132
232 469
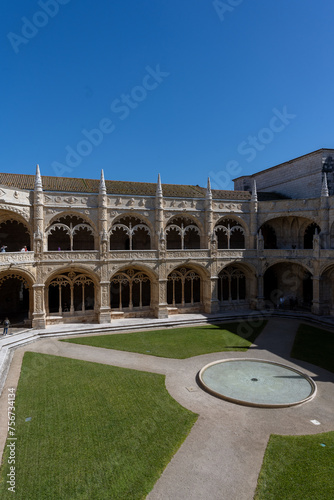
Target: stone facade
99 250
298 178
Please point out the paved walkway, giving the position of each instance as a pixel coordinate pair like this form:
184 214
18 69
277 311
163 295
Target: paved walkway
222 456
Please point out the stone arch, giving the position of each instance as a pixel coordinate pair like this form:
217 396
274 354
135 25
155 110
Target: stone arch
70 232
130 232
236 285
15 232
16 297
71 293
131 291
183 233
230 233
289 231
326 289
288 285
184 287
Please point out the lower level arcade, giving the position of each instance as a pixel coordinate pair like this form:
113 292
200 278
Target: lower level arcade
79 295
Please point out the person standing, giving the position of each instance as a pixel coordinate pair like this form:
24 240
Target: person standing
6 324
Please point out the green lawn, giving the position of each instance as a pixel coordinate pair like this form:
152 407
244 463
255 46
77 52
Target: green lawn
298 468
315 346
180 343
96 431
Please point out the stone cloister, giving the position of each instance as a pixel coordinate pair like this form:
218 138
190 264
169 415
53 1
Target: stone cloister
99 250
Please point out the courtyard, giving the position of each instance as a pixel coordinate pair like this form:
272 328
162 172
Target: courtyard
224 443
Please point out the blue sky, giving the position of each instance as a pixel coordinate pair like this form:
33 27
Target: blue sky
186 88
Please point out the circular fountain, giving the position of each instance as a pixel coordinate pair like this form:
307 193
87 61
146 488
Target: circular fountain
256 382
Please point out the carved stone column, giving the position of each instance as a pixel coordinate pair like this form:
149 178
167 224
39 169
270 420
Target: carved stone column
103 218
38 215
316 295
260 296
215 306
104 309
206 242
253 218
159 291
38 315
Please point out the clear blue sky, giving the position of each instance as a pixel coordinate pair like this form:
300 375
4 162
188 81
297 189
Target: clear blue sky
180 87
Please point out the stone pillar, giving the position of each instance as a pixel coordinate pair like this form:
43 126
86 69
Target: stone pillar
324 214
104 315
316 295
38 315
159 291
215 305
208 228
260 297
253 218
103 218
38 242
159 240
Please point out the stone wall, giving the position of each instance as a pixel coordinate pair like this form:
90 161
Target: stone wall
298 178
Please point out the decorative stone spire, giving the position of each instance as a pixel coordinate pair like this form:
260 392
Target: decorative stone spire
159 188
38 180
208 194
102 188
324 188
254 191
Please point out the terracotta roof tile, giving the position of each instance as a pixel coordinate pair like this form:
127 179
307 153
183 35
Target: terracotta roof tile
77 185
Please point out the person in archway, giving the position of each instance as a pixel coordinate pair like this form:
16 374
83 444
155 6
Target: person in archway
6 324
3 248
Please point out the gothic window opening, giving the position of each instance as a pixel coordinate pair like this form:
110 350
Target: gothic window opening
182 234
70 233
130 233
230 235
130 289
70 292
183 287
231 285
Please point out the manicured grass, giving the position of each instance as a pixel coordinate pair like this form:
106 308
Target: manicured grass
181 343
315 346
298 468
96 431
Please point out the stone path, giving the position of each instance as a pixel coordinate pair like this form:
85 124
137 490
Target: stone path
222 456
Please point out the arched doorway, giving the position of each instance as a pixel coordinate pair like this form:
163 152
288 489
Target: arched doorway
14 298
288 286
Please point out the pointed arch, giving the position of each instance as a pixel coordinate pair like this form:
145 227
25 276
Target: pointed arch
182 233
230 234
183 286
130 232
130 290
70 232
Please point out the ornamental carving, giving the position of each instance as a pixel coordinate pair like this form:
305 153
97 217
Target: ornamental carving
24 212
233 207
87 256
